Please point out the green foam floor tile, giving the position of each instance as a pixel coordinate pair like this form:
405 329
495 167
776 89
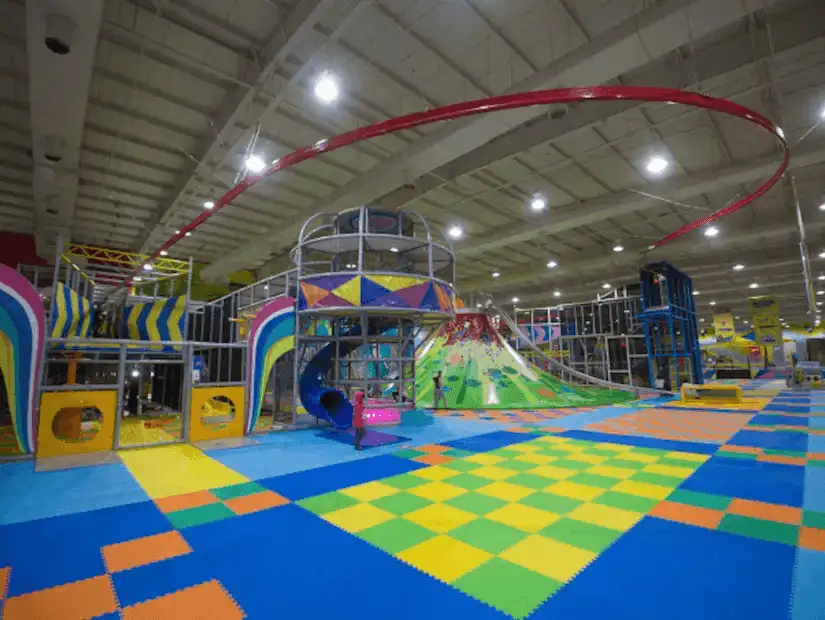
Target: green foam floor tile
737 455
531 481
396 535
674 462
813 518
659 479
574 465
593 480
550 502
237 490
816 463
793 453
702 500
594 538
625 464
488 535
408 454
404 481
625 501
468 481
401 503
507 453
458 453
759 528
459 465
516 465
328 502
509 588
198 516
476 503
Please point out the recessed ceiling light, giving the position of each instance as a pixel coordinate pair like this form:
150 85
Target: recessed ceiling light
618 248
780 132
556 293
701 320
148 267
711 231
209 204
326 88
164 253
552 264
821 278
188 234
736 317
393 249
822 113
753 285
495 274
538 203
177 232
819 303
712 303
136 373
606 285
822 207
696 293
738 267
351 266
137 279
822 255
820 292
656 165
455 232
515 300
266 287
254 164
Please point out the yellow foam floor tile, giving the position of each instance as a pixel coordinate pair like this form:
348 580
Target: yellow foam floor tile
358 517
606 516
527 446
669 470
538 459
440 518
643 489
620 473
506 491
639 458
583 457
525 518
547 557
552 472
484 459
177 470
370 491
491 472
574 490
444 558
435 473
688 456
437 491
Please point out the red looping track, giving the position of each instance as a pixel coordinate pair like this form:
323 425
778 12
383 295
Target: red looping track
509 102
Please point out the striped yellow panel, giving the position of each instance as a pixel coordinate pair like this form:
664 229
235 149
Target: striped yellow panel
134 315
152 323
174 319
60 310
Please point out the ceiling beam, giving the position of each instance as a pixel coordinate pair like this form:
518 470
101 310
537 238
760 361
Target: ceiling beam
61 43
650 34
238 109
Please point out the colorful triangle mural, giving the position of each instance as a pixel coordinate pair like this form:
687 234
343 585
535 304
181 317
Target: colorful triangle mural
351 291
313 294
414 294
444 300
332 301
331 283
370 291
430 300
394 283
390 300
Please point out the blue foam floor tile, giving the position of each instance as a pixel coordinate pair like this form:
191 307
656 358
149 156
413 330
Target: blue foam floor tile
814 489
62 549
489 441
26 495
767 482
321 573
788 408
580 420
808 593
661 569
160 578
816 443
643 442
771 440
333 477
761 419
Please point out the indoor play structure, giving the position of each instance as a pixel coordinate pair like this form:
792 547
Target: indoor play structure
481 370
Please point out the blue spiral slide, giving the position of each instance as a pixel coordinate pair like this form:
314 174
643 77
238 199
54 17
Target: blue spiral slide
318 398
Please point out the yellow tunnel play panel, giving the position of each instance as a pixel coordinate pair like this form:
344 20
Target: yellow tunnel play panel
75 422
217 412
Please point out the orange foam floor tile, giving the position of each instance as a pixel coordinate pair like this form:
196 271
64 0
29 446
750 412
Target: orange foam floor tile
768 512
72 601
432 448
188 500
4 581
812 538
247 504
690 515
207 601
433 459
142 551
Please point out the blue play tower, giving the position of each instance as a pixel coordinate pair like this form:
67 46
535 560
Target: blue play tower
670 326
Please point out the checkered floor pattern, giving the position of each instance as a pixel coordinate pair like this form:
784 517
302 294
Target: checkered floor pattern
510 415
509 527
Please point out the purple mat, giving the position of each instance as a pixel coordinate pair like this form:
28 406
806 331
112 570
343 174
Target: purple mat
371 439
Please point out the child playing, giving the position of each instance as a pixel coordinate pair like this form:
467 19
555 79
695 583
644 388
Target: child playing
358 419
